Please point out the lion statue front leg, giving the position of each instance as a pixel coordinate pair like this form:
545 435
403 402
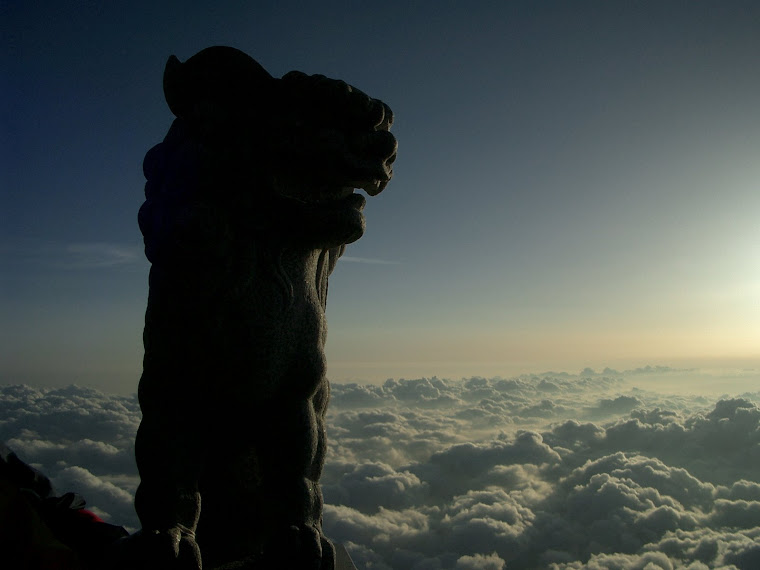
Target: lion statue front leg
263 503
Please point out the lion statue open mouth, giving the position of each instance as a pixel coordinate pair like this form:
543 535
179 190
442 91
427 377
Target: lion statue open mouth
250 200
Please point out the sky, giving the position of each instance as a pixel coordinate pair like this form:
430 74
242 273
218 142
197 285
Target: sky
576 184
614 471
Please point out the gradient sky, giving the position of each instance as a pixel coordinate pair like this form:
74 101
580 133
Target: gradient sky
577 182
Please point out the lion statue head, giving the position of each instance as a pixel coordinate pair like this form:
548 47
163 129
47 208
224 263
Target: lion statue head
279 157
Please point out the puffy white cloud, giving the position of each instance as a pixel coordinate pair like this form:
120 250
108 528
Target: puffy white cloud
480 562
347 396
433 474
111 502
646 561
747 490
453 470
642 491
735 514
82 439
619 405
715 548
368 487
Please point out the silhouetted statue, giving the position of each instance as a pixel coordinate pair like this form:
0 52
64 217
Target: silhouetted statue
250 202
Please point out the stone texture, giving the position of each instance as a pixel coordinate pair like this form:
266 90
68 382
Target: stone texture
249 204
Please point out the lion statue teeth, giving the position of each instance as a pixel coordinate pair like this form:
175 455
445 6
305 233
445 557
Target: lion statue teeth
250 201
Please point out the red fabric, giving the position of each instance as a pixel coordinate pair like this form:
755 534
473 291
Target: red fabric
88 515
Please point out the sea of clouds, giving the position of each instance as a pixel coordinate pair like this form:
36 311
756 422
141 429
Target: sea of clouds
542 471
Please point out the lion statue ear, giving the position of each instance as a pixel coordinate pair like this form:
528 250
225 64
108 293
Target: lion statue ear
174 86
221 76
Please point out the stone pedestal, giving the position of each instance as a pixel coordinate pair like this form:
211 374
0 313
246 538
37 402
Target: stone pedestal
342 559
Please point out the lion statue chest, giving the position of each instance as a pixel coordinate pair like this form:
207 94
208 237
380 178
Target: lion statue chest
281 319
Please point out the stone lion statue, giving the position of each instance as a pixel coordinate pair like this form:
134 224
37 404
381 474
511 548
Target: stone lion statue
250 201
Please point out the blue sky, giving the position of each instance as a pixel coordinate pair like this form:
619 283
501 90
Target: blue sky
577 183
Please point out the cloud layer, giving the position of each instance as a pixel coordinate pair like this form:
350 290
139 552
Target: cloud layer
547 471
